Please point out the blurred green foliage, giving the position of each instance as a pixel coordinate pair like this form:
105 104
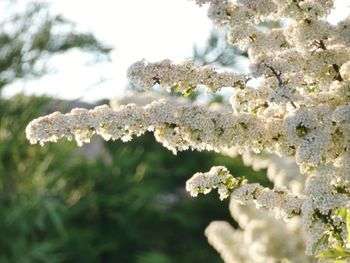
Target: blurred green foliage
104 202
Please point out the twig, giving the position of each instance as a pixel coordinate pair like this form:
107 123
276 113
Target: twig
281 83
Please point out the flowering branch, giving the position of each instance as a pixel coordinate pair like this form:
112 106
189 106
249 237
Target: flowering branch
184 77
178 128
280 201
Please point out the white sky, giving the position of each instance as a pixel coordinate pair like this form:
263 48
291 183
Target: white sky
137 29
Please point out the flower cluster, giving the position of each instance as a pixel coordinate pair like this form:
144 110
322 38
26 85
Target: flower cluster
279 200
218 177
222 237
294 121
259 239
184 77
177 127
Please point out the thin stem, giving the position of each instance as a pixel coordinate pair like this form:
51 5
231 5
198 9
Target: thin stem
281 83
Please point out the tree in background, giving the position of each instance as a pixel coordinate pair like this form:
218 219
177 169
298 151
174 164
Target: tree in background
294 121
30 38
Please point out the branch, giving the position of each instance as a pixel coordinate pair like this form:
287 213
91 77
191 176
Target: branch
178 128
280 201
184 77
276 74
320 45
336 69
281 83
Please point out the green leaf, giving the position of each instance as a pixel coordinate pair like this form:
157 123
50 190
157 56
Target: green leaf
189 91
342 212
348 226
339 253
340 248
332 254
176 89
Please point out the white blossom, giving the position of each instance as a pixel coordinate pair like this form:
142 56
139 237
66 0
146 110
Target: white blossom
184 77
258 238
222 237
218 177
178 128
279 200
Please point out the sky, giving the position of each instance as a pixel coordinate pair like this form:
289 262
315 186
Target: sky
137 29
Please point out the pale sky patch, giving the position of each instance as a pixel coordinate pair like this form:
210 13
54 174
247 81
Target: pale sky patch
137 29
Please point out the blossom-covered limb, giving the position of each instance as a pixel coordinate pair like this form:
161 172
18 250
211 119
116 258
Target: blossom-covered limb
184 77
177 127
279 200
218 177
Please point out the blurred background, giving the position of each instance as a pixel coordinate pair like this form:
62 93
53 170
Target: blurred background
103 202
